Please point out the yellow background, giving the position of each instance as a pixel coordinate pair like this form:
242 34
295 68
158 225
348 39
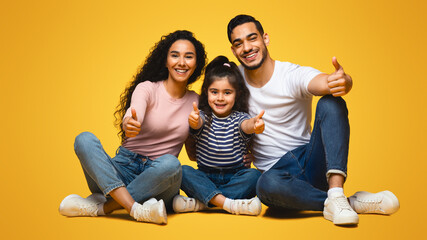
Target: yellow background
63 65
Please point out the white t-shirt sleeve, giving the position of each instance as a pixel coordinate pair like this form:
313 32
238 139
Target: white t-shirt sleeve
299 77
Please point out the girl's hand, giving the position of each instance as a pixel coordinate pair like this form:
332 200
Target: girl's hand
259 123
194 118
131 126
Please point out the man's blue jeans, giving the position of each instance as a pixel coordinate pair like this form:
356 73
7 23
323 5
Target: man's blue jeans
299 179
143 177
205 183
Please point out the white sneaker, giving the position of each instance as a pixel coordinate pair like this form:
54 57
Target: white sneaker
151 211
338 210
74 206
97 197
185 204
246 206
384 202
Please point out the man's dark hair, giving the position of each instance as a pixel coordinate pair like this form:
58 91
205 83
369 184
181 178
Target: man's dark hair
241 19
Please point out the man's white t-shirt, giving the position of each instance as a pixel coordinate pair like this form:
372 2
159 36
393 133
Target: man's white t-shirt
287 104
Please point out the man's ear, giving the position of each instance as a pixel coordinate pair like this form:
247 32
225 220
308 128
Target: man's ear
266 39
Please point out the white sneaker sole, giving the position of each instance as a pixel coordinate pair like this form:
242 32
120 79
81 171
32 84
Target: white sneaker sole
162 213
349 220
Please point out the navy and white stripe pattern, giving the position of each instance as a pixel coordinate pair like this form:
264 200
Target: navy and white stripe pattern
222 143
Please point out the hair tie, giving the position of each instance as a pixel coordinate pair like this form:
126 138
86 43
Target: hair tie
227 64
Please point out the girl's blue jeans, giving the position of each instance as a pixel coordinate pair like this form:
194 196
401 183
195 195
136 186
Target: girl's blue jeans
299 179
204 183
143 177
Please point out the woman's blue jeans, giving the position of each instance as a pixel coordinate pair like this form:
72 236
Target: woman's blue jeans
143 177
203 184
299 179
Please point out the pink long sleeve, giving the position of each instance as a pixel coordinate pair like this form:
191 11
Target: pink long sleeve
164 120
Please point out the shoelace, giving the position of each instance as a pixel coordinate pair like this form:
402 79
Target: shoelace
370 205
88 210
342 203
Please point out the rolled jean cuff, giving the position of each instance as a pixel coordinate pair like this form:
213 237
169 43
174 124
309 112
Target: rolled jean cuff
109 189
335 171
209 198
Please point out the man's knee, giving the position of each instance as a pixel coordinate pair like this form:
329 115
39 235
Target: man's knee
332 105
270 184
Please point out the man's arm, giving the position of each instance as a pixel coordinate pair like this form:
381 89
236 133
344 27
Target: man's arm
337 83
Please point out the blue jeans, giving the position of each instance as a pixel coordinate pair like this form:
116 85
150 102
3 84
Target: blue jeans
143 177
205 183
299 179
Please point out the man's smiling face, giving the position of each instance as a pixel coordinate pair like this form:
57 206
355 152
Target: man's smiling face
249 46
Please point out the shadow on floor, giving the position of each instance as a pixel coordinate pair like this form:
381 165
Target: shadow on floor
281 213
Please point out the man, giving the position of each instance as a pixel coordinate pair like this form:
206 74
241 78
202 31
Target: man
302 169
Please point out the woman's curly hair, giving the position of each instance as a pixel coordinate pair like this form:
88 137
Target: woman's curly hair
154 69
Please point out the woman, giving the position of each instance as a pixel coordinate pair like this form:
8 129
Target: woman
154 109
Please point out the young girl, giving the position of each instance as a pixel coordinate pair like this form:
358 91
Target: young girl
222 129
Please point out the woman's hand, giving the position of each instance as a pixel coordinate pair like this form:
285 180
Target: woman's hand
131 126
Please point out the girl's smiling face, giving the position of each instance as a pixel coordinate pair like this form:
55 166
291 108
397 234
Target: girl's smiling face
221 97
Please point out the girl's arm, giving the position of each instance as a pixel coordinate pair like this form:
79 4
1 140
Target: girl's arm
194 119
254 125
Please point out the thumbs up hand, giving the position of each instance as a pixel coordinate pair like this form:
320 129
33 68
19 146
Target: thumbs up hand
339 82
259 123
131 126
194 118
254 125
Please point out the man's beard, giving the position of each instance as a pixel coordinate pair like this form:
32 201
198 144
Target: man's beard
264 56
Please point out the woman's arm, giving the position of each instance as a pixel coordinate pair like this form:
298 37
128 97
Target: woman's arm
131 126
136 112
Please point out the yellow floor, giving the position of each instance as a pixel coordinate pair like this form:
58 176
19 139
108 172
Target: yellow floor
46 223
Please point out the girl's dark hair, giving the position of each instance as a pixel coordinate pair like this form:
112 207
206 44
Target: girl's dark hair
218 68
154 69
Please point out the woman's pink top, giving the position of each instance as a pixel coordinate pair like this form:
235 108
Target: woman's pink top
164 120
